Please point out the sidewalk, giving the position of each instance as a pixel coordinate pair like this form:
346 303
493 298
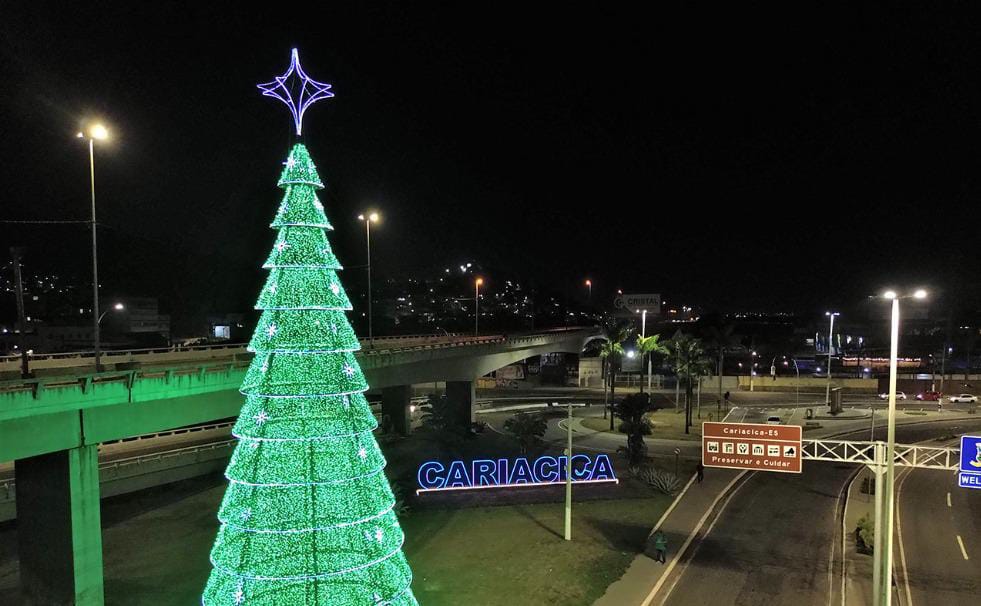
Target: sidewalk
687 514
858 566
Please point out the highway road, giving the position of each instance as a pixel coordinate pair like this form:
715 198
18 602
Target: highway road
777 540
940 539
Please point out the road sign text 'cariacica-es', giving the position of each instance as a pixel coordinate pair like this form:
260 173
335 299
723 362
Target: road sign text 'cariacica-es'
752 446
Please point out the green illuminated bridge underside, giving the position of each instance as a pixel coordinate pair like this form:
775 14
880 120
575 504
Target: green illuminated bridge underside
58 413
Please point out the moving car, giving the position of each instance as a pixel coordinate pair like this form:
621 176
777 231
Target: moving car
964 397
931 396
773 421
900 395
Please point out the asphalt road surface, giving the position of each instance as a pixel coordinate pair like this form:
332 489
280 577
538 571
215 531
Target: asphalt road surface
778 538
941 540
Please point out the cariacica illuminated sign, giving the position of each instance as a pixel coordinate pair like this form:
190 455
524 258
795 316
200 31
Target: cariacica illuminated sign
500 473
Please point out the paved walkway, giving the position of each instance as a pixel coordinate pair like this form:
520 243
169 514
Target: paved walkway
688 513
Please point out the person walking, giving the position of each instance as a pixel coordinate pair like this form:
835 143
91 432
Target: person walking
660 547
699 472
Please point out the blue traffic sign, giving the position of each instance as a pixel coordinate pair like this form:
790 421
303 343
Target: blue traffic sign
969 475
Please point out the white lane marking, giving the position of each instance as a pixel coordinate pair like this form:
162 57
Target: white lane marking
681 552
963 551
948 500
899 538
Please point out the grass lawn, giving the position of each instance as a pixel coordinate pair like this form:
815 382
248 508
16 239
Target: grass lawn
668 423
515 554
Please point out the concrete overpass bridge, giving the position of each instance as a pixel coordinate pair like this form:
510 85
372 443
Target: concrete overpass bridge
51 428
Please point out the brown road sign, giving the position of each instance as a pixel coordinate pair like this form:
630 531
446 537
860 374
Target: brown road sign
752 446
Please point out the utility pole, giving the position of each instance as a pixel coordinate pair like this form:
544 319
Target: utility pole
17 253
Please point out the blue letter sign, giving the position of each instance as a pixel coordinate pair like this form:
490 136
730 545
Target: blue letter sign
484 473
969 475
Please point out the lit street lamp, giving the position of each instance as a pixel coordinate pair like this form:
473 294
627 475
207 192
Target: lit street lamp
96 131
831 335
883 589
372 217
589 287
476 305
117 307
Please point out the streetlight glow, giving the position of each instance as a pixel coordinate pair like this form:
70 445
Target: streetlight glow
889 294
99 132
118 306
920 294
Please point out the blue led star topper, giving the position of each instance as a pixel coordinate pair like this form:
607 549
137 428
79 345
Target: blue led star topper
297 90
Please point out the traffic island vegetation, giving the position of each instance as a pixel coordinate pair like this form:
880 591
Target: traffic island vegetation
666 423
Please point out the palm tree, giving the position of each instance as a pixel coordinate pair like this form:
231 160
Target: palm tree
722 340
690 362
611 353
647 346
615 332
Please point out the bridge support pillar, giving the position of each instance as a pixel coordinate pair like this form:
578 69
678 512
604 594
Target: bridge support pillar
59 529
461 396
395 406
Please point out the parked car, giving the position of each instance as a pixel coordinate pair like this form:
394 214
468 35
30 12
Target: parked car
773 421
931 396
900 395
964 398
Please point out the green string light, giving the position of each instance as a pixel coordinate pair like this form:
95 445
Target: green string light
308 517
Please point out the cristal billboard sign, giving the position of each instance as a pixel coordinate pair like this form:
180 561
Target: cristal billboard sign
631 304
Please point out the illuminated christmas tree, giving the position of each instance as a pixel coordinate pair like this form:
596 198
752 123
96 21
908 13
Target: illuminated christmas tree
308 517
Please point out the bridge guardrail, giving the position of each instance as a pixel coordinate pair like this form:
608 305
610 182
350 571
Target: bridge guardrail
172 432
8 486
108 356
83 380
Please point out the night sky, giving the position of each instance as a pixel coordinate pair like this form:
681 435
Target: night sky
757 158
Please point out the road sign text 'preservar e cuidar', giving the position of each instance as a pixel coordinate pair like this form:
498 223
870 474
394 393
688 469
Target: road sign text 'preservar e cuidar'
752 446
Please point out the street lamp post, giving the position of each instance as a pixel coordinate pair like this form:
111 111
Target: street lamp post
643 334
97 131
368 219
589 290
883 591
752 365
943 365
476 305
831 333
797 370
